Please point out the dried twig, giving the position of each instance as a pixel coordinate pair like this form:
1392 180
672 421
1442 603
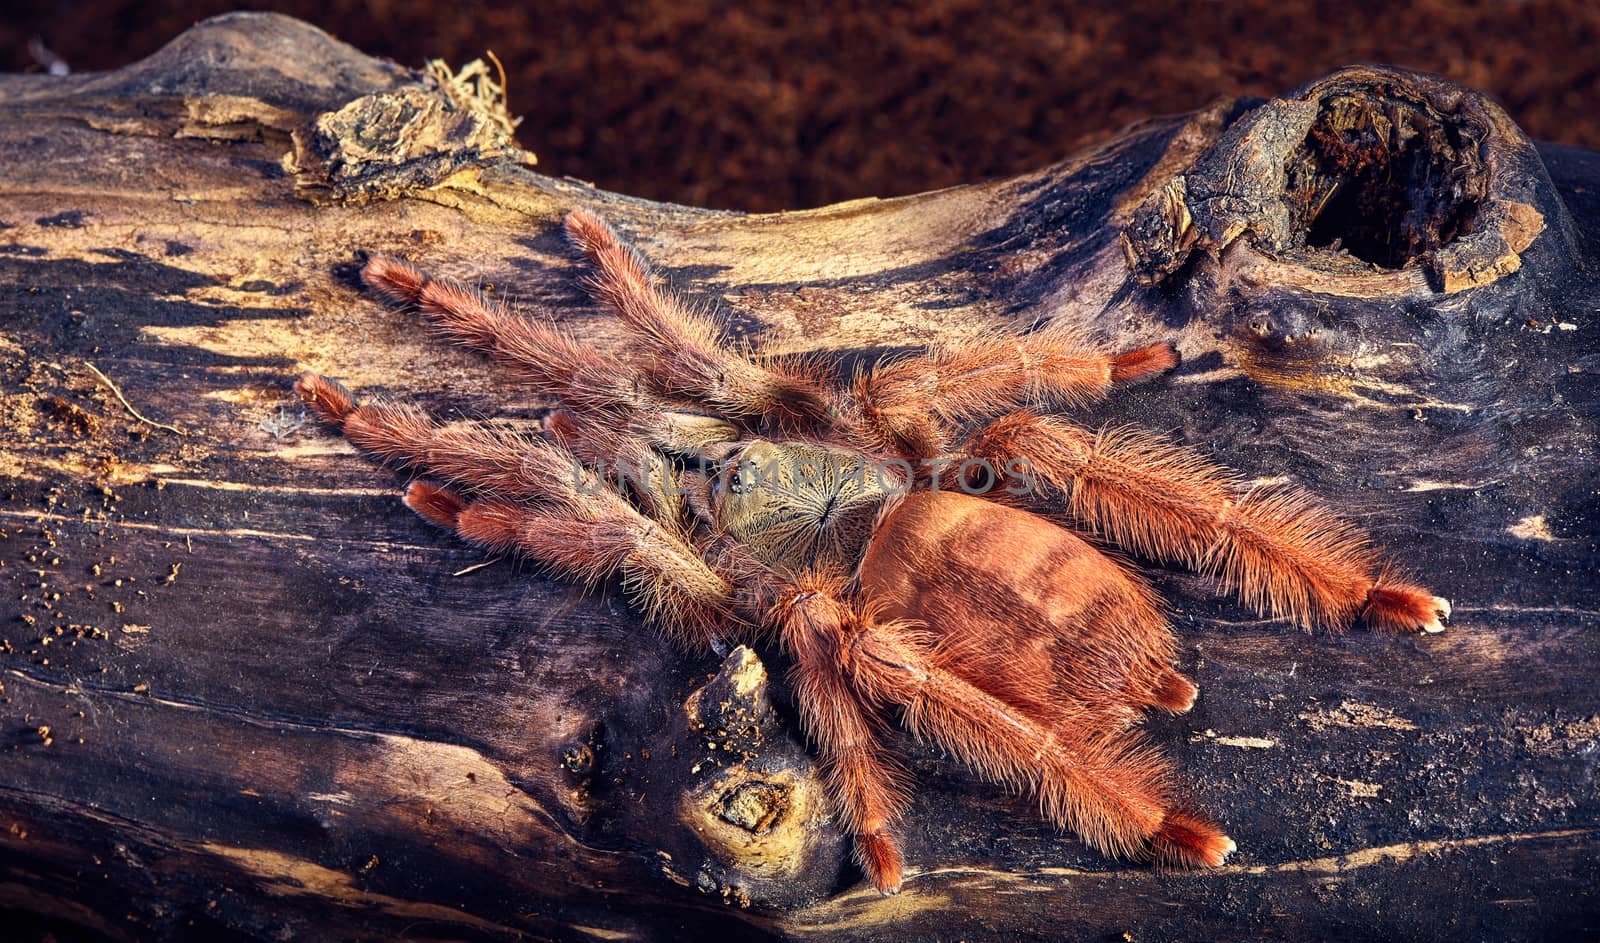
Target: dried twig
129 406
474 88
477 566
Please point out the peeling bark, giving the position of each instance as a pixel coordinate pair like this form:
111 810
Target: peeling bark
246 692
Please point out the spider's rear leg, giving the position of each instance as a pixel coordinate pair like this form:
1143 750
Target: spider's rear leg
1104 784
913 405
1279 550
688 355
862 775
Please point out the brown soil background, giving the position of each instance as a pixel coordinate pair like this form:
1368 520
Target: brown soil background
767 104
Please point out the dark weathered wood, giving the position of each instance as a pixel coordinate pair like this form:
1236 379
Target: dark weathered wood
278 704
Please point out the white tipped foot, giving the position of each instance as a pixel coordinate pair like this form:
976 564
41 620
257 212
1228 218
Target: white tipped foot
1187 704
1177 694
1442 608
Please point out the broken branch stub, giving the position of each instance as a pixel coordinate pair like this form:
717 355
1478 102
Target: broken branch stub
1370 179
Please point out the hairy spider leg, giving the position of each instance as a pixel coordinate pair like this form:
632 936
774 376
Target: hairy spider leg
499 461
689 357
610 422
866 780
583 378
1275 547
573 521
1102 783
590 540
913 406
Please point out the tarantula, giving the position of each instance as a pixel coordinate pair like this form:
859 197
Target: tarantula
912 534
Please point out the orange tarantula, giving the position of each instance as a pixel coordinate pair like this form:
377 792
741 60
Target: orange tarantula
910 534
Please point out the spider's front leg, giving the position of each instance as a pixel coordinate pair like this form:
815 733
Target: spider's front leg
912 406
584 378
538 500
688 357
610 421
1279 550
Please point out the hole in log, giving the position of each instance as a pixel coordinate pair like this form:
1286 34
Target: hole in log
1370 181
1385 178
755 806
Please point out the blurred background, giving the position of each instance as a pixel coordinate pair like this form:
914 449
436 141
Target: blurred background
774 104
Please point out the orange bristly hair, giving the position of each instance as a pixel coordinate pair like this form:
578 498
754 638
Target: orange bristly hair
912 405
688 355
867 782
1031 666
1276 547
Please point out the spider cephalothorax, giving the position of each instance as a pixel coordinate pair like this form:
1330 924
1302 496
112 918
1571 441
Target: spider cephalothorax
905 533
799 505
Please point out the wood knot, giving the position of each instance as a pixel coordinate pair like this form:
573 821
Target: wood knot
754 806
1372 179
392 142
578 759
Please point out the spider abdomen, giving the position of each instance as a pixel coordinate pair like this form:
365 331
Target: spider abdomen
1024 609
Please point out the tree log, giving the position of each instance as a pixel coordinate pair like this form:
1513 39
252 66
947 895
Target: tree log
247 693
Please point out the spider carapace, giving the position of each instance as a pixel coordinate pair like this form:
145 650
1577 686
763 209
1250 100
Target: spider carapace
908 534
